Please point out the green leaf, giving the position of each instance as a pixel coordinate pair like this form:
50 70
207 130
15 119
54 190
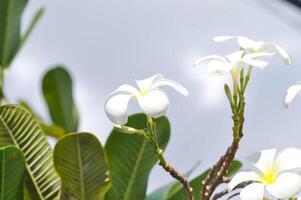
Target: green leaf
36 18
57 91
12 172
175 191
10 22
50 130
158 194
19 128
131 159
82 166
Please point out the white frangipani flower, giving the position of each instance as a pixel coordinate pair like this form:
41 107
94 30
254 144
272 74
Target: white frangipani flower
220 65
151 99
278 174
254 47
233 62
291 92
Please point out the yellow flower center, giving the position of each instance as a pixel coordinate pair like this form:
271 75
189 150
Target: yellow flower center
270 176
143 92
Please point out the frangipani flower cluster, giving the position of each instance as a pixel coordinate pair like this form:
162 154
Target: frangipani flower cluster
151 99
251 53
277 173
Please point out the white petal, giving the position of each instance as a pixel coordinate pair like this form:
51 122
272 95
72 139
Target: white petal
116 107
242 177
291 92
270 47
263 160
175 85
145 85
235 57
155 103
216 67
288 159
224 38
254 191
253 59
287 185
248 44
127 89
211 58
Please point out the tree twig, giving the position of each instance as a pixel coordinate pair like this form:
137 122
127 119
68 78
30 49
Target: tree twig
174 173
152 137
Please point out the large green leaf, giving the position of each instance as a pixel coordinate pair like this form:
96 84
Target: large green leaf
12 171
18 127
176 192
57 91
81 162
131 159
50 130
10 20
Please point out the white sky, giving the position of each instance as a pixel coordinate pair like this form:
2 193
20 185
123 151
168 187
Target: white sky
108 43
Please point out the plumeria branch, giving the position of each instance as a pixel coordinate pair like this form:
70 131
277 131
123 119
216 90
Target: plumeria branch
150 134
237 102
151 126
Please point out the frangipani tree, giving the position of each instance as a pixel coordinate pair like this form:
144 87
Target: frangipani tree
79 167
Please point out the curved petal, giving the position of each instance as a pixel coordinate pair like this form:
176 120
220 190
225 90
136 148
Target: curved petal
270 47
155 103
254 191
235 57
116 107
291 92
211 58
253 59
175 85
224 38
287 185
288 159
263 160
125 88
218 68
145 84
248 44
242 177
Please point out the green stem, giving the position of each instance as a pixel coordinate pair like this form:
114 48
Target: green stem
218 172
152 132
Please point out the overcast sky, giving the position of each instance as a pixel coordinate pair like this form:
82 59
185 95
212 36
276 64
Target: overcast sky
107 43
